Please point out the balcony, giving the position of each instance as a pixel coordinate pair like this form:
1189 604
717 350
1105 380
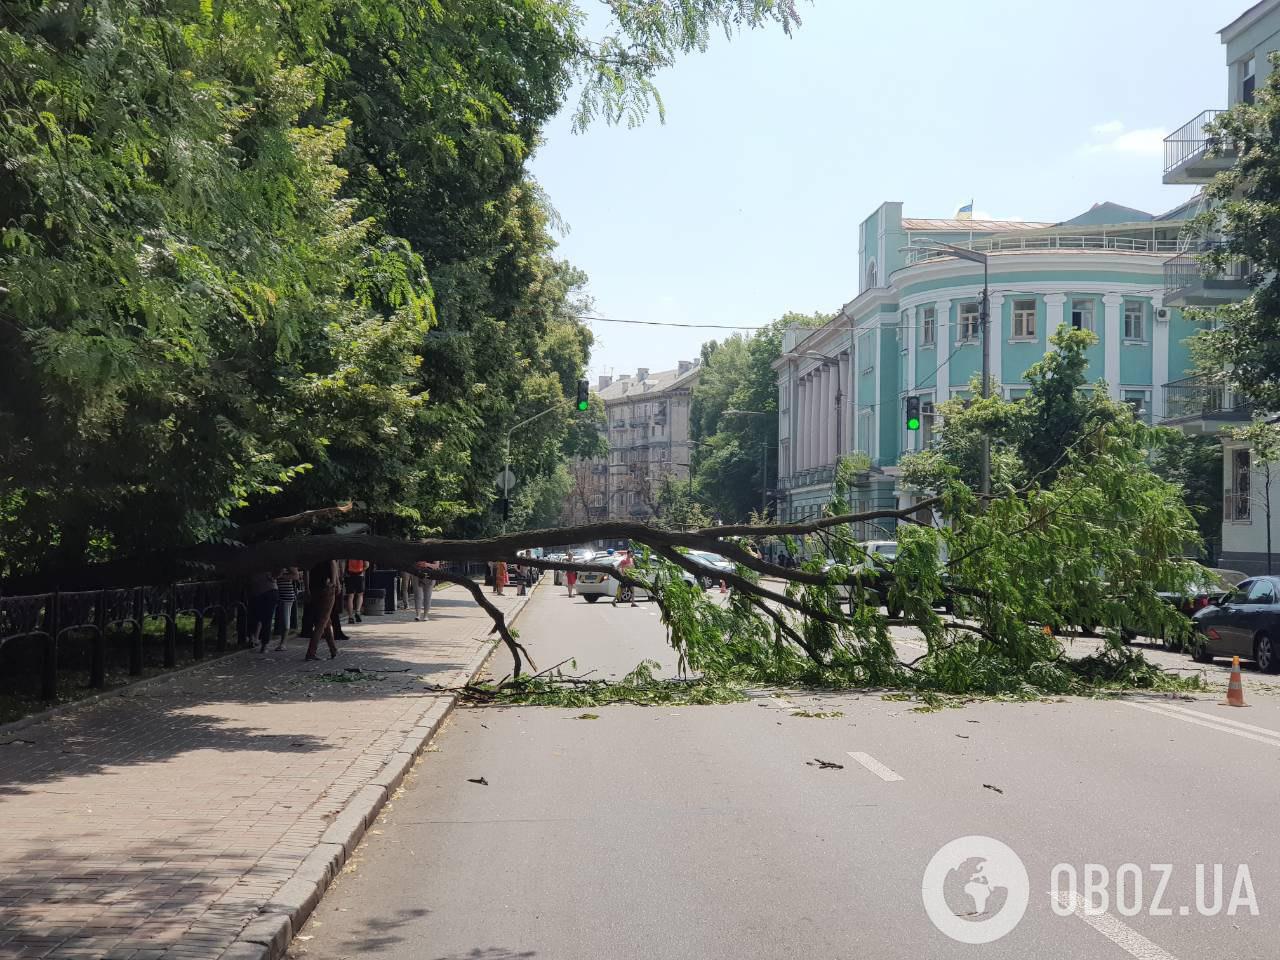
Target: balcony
807 478
1191 282
1051 241
1192 155
1199 405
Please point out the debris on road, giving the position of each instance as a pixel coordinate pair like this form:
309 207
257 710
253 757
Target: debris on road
824 764
989 786
818 715
587 716
480 780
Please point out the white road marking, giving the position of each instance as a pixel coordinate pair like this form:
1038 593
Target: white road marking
1123 936
875 766
1221 724
1266 731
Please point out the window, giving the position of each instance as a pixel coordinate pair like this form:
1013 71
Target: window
1018 393
1024 319
871 274
1261 593
1237 505
1247 80
864 431
969 322
928 326
1138 400
1133 316
926 424
1081 314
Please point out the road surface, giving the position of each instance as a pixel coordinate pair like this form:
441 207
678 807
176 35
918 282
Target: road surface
714 832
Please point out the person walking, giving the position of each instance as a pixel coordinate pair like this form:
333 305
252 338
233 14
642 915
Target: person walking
625 592
499 576
322 590
570 579
423 585
286 597
355 589
262 606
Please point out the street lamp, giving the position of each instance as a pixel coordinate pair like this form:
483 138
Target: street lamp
984 315
764 458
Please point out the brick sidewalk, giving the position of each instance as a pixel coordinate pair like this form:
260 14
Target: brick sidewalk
160 823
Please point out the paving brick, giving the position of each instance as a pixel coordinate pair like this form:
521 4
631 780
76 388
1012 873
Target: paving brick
177 819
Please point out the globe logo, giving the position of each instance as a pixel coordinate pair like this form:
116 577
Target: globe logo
975 889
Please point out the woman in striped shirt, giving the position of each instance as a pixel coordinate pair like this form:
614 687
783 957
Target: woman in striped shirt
287 596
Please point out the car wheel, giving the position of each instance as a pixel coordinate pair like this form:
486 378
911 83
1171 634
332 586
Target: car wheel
591 597
1266 654
1201 653
626 595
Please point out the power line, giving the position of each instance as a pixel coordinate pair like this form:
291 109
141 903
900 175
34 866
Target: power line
668 323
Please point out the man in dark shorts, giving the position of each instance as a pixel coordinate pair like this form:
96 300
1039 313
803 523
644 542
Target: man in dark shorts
354 582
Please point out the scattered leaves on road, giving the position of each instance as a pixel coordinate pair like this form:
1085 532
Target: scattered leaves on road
818 715
587 716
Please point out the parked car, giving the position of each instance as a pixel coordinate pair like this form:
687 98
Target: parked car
1212 585
592 584
557 576
716 564
1245 623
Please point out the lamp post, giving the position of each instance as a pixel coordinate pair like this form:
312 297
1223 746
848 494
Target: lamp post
984 319
764 458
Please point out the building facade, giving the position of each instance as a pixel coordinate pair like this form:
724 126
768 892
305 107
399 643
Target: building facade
914 331
647 428
1193 155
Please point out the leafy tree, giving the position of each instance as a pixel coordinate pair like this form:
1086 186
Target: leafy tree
1244 338
1194 463
737 374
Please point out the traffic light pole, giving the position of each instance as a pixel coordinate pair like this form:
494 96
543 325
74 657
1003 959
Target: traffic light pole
986 377
506 458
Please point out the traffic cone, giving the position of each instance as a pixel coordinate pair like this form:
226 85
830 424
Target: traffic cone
1235 686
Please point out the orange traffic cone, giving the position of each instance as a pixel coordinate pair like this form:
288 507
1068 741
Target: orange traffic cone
723 588
1235 686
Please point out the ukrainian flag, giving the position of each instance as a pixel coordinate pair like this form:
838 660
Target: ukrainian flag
965 212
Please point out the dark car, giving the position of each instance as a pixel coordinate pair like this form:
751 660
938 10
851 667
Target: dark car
1210 586
1245 623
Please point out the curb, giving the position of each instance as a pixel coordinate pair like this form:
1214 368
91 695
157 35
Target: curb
268 936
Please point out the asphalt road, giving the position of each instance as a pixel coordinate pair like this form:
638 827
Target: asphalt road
709 832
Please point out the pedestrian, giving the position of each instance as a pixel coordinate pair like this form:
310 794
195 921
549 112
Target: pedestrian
286 597
354 584
499 576
625 591
423 586
407 581
262 606
570 578
322 591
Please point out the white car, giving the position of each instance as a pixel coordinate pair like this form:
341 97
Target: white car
716 564
593 585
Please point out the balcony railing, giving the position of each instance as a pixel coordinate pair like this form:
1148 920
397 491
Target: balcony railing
1188 275
1194 397
1191 141
1052 241
808 478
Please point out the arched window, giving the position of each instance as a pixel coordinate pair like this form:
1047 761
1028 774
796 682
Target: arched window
871 274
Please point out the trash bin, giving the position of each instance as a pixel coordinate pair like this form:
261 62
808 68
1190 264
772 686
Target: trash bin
380 591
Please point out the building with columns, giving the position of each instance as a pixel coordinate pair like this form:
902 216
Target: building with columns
913 330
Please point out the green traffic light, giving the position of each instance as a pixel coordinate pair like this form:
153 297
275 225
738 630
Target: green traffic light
913 423
583 405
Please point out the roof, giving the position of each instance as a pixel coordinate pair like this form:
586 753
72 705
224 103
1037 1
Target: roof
977 226
1247 19
1106 214
656 382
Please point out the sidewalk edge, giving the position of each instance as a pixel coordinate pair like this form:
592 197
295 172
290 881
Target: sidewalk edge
267 936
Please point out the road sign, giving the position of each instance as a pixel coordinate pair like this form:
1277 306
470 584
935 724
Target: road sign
505 479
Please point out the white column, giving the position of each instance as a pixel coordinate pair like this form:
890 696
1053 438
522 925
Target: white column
1159 359
874 443
997 343
1111 304
833 387
912 335
843 445
942 390
811 424
1054 316
820 378
800 423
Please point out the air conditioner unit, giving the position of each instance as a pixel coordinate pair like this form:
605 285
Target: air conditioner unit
1162 313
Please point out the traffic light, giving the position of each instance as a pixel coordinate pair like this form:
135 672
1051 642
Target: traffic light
913 413
584 394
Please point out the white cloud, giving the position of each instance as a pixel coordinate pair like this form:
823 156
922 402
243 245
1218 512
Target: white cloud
1112 137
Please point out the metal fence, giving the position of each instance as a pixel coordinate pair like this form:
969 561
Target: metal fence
45 619
1191 139
1052 241
1198 397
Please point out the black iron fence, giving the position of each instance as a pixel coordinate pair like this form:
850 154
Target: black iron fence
41 622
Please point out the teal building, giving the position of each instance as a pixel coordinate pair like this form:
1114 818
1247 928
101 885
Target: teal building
913 330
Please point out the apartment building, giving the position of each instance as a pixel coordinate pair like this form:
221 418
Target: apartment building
647 428
1194 155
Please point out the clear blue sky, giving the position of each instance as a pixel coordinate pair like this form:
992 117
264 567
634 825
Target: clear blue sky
746 202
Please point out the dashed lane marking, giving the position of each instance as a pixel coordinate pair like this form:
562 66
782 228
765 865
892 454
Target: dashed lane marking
1122 935
874 765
